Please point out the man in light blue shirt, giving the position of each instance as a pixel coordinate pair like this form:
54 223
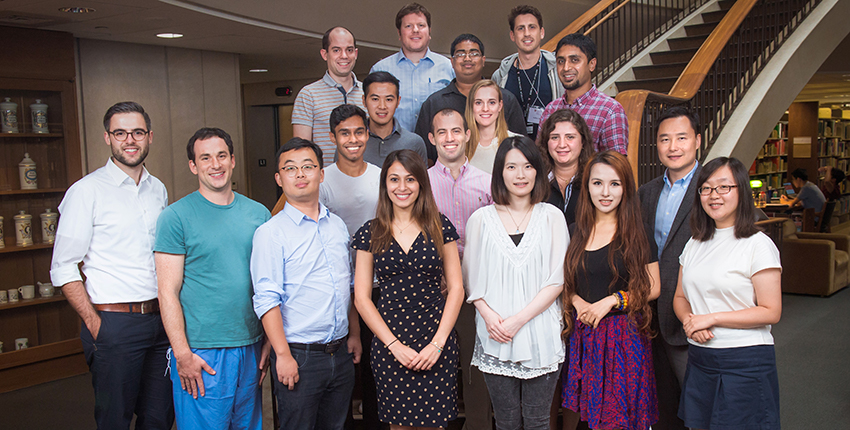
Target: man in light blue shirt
302 294
419 70
666 203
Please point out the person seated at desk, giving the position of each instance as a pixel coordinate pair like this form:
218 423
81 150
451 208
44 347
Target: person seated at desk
809 196
832 180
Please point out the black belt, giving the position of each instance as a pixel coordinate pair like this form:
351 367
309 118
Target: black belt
327 348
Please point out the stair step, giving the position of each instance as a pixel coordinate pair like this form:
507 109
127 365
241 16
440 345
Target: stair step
659 71
689 42
657 85
700 29
726 4
674 56
714 16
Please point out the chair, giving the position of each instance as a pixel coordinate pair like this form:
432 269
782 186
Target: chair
825 216
813 263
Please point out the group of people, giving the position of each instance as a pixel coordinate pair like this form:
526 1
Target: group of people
525 259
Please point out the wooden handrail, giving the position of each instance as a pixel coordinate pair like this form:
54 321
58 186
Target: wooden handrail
579 23
695 72
605 18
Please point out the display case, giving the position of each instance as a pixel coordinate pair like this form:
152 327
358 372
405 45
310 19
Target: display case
49 324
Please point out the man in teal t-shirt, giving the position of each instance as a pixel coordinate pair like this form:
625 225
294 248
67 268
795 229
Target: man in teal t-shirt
202 252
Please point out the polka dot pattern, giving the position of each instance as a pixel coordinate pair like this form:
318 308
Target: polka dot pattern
411 305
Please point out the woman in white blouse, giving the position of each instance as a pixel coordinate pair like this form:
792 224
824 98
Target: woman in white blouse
728 296
514 272
486 118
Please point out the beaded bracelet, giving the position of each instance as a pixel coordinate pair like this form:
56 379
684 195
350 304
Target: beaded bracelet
391 343
437 346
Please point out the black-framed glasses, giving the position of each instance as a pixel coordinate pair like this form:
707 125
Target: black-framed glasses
306 169
721 189
121 135
472 55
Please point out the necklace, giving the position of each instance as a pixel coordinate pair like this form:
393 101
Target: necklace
520 221
400 229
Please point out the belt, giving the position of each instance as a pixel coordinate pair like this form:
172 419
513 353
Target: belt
327 348
148 307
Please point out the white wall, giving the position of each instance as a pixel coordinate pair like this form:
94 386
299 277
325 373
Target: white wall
181 89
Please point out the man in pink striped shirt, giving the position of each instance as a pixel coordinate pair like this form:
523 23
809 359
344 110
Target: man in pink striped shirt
460 189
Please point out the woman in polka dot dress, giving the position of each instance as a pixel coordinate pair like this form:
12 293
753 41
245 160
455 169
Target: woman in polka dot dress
410 246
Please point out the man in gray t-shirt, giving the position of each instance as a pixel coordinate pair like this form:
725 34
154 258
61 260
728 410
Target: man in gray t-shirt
809 196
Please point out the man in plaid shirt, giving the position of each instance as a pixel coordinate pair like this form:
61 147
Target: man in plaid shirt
576 60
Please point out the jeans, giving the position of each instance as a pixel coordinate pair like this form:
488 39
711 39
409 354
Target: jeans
322 396
521 403
128 366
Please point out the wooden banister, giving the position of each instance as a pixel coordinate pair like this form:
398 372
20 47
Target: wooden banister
695 72
579 23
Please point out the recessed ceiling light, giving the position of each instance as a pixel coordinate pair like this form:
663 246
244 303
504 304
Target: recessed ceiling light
169 35
258 70
76 9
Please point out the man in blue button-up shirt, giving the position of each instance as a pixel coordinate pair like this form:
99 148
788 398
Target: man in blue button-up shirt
300 270
666 203
419 70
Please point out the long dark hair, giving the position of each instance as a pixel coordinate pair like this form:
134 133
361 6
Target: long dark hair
702 225
574 118
425 212
629 240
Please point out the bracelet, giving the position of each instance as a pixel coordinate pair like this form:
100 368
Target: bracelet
437 346
391 343
619 296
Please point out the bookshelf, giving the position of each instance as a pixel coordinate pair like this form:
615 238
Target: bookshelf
771 164
834 145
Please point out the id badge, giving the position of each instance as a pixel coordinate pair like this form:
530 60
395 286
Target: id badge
534 114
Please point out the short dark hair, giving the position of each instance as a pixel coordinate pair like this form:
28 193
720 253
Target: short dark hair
409 9
298 143
524 10
447 112
838 175
702 225
580 41
343 112
466 37
204 134
125 107
800 173
326 38
499 190
379 78
677 112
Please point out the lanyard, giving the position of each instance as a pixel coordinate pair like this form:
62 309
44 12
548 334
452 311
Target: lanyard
535 83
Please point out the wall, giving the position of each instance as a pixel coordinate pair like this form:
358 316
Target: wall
181 89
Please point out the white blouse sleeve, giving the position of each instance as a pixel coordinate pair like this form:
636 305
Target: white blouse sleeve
473 280
560 242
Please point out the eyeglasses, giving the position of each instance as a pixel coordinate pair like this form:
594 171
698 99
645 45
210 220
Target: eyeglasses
291 171
721 189
472 55
121 135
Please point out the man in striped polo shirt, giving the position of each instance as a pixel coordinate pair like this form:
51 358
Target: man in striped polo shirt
313 106
460 189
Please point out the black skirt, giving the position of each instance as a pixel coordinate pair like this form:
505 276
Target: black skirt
731 389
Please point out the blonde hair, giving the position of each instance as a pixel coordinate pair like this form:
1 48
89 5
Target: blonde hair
501 124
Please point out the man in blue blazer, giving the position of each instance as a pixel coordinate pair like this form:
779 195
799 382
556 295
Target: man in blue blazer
666 204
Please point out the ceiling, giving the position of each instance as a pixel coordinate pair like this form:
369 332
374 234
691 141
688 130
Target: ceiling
284 36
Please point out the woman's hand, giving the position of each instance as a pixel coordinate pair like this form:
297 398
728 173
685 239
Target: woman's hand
426 358
694 323
497 331
404 354
593 313
702 336
512 325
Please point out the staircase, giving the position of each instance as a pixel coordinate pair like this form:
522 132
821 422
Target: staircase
668 65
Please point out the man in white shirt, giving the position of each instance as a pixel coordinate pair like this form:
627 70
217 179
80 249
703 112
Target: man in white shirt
350 190
108 222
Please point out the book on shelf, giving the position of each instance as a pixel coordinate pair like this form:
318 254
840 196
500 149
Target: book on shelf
831 147
780 131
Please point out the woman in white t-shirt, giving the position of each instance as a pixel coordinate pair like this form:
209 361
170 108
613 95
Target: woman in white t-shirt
486 118
728 296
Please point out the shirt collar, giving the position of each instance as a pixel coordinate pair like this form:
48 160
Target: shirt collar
428 55
446 171
396 129
297 216
685 180
452 87
582 99
329 81
118 176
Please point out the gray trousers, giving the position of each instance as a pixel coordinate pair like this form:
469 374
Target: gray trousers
522 403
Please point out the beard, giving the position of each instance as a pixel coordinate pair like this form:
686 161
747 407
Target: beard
119 156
